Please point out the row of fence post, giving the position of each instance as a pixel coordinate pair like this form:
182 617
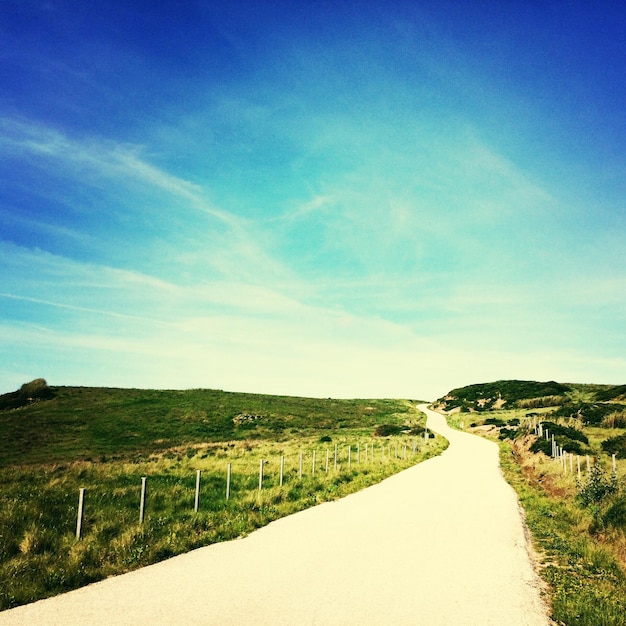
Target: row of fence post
369 453
561 455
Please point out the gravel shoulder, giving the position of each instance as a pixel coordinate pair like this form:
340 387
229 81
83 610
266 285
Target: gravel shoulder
440 543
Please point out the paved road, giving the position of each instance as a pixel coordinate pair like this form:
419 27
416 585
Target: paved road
440 543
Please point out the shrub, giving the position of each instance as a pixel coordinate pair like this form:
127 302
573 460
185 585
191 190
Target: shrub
615 515
386 430
616 446
326 439
495 421
590 414
507 433
597 487
541 445
617 419
566 431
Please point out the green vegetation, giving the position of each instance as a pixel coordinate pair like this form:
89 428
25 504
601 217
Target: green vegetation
578 522
81 423
106 440
583 567
34 391
512 393
615 445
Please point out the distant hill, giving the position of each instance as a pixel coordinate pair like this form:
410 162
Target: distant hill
93 422
504 394
615 393
509 394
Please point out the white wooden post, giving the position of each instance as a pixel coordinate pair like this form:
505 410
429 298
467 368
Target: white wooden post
228 472
260 474
282 470
197 500
142 500
79 517
614 466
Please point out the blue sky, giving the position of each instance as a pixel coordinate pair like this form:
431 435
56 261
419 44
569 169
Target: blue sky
361 199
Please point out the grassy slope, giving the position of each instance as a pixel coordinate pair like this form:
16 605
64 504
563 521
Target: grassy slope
105 440
89 423
583 559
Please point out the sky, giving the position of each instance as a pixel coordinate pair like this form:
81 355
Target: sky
329 199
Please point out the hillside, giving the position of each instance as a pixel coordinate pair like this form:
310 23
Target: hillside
510 394
84 423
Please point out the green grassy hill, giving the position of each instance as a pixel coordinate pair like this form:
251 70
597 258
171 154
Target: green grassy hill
82 423
55 441
510 394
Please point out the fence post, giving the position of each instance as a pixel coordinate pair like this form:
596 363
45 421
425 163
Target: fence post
142 501
358 452
79 517
260 474
196 503
614 466
228 472
282 469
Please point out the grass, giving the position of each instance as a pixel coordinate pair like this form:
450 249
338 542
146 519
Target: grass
578 530
584 568
82 423
106 440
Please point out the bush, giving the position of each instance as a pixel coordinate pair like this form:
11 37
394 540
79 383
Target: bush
386 430
507 433
541 445
590 414
326 439
566 431
494 421
615 515
597 487
617 419
616 446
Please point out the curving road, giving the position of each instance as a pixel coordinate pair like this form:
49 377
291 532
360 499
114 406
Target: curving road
440 543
